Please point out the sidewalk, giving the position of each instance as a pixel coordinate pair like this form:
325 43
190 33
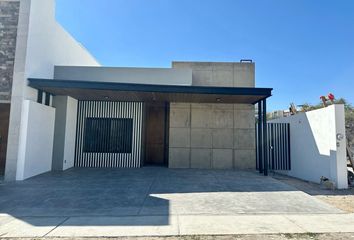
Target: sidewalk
177 225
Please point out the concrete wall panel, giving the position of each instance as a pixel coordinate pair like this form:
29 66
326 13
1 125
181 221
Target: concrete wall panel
221 135
180 117
214 131
223 118
244 75
201 117
201 138
180 137
202 78
244 139
224 78
244 107
201 158
222 159
244 119
226 74
179 157
242 159
223 138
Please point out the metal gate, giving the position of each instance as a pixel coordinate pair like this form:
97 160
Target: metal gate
277 149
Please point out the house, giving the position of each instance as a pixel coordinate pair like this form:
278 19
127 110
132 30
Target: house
61 109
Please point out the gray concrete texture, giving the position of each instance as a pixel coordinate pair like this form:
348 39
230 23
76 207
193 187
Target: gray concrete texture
182 227
60 104
218 136
9 12
214 136
153 191
220 74
159 201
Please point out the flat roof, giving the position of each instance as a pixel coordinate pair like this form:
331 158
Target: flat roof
165 76
114 91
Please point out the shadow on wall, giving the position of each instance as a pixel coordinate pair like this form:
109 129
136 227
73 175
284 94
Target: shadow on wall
145 197
314 147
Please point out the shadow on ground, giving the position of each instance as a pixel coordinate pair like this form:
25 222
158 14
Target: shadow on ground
152 193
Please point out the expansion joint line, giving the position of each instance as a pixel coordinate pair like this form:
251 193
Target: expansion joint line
147 193
59 224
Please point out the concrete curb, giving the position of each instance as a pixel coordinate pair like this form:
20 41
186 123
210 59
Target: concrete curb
173 225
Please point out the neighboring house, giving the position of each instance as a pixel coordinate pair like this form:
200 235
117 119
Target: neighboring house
61 109
278 114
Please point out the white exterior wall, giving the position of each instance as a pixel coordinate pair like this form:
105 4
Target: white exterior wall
70 133
48 44
41 44
164 76
315 149
36 135
65 132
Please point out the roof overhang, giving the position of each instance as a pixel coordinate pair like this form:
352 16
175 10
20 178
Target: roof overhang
113 91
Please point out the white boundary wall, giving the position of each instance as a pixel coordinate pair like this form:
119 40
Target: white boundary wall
41 44
318 145
36 145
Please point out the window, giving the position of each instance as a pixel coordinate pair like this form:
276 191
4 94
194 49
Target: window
108 135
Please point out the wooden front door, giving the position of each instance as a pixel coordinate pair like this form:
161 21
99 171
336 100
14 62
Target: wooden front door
4 129
156 125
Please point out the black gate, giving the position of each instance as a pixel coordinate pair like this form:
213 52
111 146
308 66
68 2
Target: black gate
277 147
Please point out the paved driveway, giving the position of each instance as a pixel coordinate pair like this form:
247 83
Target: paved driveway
147 197
153 191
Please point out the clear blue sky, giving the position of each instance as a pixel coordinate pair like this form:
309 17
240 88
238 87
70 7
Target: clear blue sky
302 48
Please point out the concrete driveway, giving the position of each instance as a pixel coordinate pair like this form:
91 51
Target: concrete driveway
148 197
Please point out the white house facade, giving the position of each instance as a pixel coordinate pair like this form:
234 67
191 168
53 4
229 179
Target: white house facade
61 109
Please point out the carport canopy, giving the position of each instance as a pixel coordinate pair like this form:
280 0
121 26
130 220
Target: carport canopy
115 91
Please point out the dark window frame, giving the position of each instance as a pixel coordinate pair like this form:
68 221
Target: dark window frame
108 135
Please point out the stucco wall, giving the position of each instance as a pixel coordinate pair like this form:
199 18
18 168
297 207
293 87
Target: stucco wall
37 134
70 133
48 44
315 149
214 135
164 76
65 132
41 43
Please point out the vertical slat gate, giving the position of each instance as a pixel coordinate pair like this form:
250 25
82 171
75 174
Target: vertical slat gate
277 147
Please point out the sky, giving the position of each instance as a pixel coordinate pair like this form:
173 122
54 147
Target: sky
303 49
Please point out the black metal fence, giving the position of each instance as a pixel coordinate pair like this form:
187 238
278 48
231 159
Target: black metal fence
277 149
